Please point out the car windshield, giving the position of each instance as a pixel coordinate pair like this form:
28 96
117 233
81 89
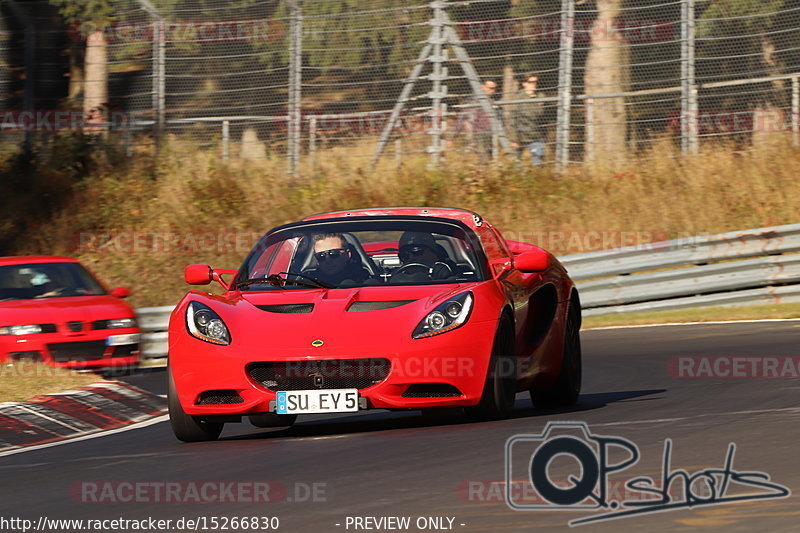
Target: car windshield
359 253
46 280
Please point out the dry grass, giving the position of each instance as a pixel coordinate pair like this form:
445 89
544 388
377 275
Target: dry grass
656 197
22 380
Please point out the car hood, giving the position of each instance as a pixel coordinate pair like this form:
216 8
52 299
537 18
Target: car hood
63 309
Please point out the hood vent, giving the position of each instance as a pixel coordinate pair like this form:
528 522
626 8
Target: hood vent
287 308
376 306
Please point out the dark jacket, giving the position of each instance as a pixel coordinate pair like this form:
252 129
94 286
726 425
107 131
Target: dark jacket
527 120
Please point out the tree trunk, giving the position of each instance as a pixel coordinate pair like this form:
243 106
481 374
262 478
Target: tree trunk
95 85
75 74
608 72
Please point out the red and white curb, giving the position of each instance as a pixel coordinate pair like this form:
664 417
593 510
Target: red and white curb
98 407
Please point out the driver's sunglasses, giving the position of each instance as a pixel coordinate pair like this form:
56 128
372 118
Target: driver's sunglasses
406 252
335 253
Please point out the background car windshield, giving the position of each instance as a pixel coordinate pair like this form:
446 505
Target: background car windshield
46 280
365 253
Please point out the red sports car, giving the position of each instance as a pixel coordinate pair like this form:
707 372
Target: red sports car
385 308
53 310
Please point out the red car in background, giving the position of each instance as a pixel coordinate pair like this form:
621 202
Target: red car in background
436 310
54 311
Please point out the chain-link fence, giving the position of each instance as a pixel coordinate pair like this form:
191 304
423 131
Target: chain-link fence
550 81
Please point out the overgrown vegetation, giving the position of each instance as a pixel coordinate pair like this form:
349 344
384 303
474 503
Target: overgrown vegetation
190 207
21 380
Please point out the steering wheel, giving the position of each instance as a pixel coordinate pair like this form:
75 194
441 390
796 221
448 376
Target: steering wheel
58 291
449 270
410 265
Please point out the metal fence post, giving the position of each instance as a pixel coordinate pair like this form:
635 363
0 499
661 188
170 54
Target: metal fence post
159 83
590 146
796 111
226 139
295 77
439 74
689 109
565 83
312 141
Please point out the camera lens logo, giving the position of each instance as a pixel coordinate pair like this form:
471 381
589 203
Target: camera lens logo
570 444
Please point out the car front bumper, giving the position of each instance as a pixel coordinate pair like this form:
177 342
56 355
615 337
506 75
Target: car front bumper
447 370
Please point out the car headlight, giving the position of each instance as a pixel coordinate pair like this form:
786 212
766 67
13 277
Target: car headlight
206 325
447 316
115 323
28 329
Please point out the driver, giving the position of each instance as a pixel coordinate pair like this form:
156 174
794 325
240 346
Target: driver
421 248
335 260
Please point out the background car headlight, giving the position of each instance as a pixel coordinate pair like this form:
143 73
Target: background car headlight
447 316
27 329
115 323
206 325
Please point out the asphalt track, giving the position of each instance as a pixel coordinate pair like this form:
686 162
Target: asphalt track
380 464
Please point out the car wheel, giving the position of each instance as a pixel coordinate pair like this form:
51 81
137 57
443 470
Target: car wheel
500 389
189 428
272 420
567 388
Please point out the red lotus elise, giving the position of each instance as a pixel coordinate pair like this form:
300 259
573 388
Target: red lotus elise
386 308
53 310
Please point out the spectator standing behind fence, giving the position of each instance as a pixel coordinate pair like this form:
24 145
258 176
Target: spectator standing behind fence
477 123
527 131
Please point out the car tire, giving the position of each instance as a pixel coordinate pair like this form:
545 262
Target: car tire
189 428
272 420
500 389
565 391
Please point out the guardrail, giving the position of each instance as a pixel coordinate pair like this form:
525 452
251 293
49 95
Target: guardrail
750 267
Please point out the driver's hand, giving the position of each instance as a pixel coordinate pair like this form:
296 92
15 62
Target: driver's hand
440 271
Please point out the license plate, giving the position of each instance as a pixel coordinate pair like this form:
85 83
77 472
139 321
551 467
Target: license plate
120 340
317 401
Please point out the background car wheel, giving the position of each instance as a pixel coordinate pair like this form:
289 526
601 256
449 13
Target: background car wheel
500 389
189 428
565 391
272 420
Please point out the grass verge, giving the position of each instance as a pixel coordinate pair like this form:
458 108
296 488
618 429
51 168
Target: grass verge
139 222
22 380
705 314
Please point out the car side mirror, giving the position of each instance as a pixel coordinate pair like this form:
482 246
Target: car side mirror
198 274
120 292
532 261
